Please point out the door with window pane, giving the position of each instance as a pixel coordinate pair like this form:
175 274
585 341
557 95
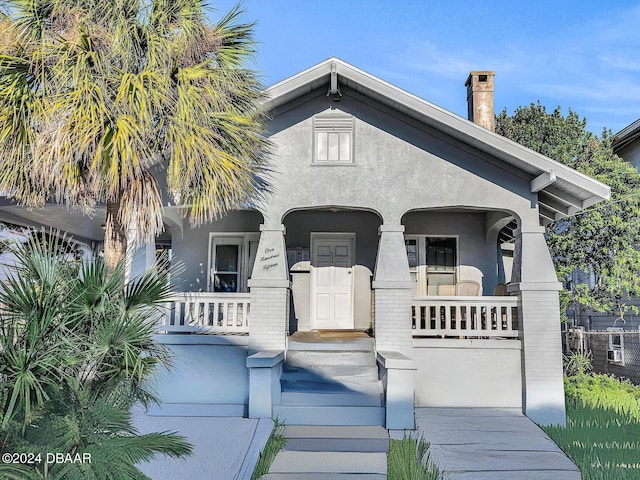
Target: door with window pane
226 261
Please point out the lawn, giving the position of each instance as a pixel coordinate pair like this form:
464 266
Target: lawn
602 435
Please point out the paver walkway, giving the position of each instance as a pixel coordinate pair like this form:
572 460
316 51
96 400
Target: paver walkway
491 444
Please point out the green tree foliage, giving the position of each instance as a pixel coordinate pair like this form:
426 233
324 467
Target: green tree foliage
602 240
109 101
76 352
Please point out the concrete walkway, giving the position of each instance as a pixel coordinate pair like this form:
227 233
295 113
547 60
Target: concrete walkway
332 453
466 444
491 444
224 448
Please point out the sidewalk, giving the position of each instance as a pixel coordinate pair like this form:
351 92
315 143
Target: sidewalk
495 444
224 448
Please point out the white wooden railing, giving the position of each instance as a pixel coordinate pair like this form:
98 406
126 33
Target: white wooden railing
469 317
206 312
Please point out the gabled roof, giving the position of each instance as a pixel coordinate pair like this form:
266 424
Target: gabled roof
562 191
625 136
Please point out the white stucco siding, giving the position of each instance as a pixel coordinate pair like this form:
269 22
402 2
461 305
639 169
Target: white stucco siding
190 248
206 370
399 166
468 373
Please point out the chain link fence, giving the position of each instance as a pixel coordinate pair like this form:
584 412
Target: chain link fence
614 351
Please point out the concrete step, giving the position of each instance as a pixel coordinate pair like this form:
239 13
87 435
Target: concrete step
358 372
329 415
323 476
305 358
372 399
321 385
359 344
336 438
330 463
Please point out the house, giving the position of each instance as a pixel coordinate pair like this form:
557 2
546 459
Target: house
625 144
388 215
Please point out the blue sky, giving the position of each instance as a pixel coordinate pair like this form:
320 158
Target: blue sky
583 55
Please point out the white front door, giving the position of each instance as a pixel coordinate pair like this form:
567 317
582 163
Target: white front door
332 281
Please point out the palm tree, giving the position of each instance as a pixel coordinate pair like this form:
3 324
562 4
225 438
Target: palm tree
131 104
76 352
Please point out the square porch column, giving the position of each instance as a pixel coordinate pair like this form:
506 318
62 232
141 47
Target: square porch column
392 289
270 290
537 286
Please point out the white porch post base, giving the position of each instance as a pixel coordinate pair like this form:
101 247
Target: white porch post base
543 385
537 287
269 316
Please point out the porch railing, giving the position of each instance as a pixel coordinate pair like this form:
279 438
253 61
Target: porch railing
469 317
206 312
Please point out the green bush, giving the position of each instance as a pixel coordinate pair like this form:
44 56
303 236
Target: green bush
275 443
604 391
602 435
76 350
409 460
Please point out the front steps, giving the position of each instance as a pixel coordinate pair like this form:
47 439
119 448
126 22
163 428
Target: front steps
331 453
331 382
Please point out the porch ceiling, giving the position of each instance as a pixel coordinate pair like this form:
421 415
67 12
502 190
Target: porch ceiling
561 190
55 216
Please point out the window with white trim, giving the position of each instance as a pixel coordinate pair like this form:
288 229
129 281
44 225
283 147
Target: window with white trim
433 263
231 259
333 138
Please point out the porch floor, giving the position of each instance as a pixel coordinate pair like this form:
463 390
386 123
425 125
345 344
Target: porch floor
487 443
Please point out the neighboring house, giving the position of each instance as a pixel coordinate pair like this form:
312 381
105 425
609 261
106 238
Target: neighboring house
626 144
387 215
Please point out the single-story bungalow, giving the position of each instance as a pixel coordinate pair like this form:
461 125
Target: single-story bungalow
399 260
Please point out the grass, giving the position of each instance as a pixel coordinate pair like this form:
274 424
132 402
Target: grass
275 444
409 460
602 435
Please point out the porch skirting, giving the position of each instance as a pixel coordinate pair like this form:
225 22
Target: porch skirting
468 373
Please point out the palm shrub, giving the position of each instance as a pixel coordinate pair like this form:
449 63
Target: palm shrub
76 349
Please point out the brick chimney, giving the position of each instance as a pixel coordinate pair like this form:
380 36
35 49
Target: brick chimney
480 99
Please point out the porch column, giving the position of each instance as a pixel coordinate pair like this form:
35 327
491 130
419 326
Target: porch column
269 283
139 260
392 289
535 281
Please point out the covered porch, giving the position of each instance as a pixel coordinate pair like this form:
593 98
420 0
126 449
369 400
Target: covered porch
457 262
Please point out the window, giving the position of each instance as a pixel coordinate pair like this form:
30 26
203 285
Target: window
231 261
333 138
433 263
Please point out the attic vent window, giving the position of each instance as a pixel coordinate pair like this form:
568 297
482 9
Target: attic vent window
333 138
482 78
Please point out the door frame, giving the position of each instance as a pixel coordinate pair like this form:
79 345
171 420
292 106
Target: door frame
315 236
